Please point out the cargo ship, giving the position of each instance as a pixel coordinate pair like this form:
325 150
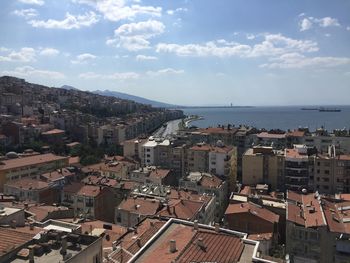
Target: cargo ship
322 109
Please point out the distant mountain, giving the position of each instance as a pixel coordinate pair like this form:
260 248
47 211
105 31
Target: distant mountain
67 87
134 98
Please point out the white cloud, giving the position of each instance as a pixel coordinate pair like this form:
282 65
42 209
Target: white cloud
272 45
328 21
143 57
135 36
25 54
348 28
250 36
165 71
70 21
177 10
83 58
49 52
32 2
116 10
28 71
26 13
307 23
298 61
114 76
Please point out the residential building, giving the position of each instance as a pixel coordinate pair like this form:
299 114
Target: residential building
204 183
306 229
153 175
30 166
263 165
260 223
331 173
210 159
298 168
28 189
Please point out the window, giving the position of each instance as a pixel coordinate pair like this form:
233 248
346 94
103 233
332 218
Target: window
326 171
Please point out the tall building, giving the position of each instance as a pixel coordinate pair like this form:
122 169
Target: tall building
263 165
298 168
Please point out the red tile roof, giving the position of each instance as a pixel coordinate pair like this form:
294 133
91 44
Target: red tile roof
11 239
217 248
337 216
159 173
89 190
140 206
30 160
305 210
182 209
253 209
296 133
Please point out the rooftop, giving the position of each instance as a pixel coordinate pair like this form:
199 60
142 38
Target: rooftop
253 209
140 205
110 232
266 135
205 179
89 190
195 244
11 239
28 184
53 132
337 216
305 209
30 160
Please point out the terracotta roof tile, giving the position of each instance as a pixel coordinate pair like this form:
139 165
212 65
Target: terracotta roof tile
30 160
253 209
11 239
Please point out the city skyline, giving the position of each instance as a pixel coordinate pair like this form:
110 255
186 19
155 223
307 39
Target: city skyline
183 52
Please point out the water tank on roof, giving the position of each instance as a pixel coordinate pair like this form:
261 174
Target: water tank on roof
11 155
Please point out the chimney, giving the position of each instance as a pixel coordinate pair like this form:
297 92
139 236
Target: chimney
174 210
138 242
13 223
172 246
31 254
114 246
64 245
217 227
200 243
195 225
31 226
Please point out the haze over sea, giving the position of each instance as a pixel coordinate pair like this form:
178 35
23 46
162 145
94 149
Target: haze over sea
288 117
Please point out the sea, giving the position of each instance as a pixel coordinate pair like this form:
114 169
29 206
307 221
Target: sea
284 118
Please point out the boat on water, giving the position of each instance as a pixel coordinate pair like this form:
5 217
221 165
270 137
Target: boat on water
322 109
309 108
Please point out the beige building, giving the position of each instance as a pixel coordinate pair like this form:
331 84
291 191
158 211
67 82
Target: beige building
29 166
210 159
263 165
331 174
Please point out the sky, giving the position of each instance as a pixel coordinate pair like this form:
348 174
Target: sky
184 52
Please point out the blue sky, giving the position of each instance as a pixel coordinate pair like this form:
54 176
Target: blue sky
188 52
